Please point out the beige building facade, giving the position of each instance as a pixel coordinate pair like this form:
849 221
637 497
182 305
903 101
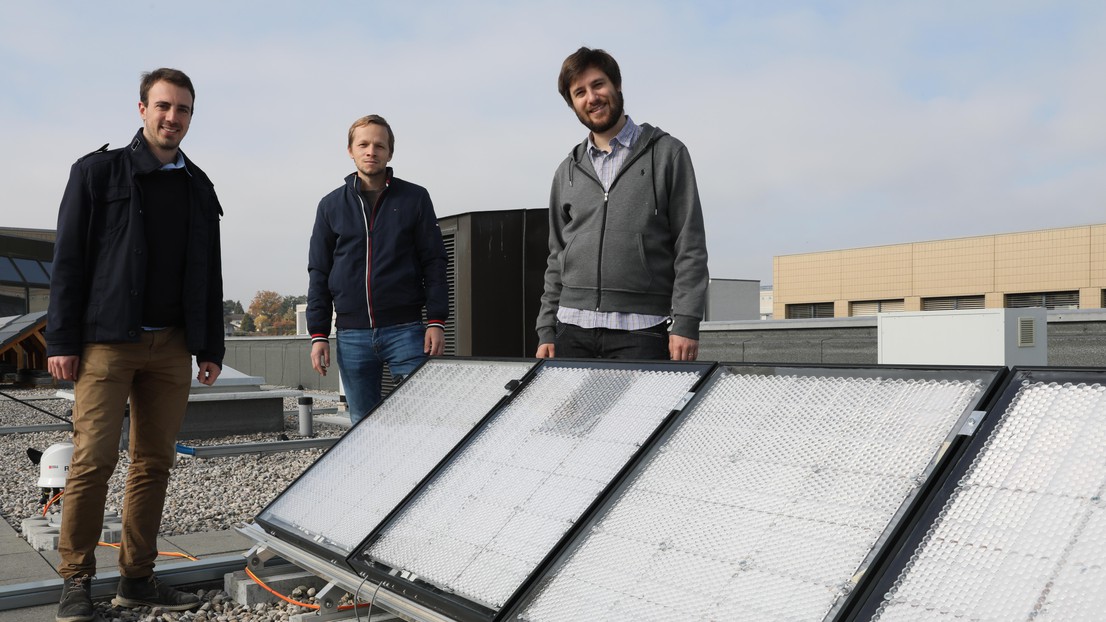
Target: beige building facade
1054 268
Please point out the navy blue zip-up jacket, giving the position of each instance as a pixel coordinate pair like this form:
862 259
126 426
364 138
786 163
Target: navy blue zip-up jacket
99 269
376 265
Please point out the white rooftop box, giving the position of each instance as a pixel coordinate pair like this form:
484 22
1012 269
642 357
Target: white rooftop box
977 337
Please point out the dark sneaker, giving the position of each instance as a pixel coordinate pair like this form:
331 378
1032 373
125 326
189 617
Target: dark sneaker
149 592
76 600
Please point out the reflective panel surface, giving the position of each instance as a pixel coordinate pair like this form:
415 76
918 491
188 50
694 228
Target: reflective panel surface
489 518
762 502
1023 534
341 498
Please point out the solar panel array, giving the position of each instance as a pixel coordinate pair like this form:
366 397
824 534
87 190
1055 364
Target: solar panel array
763 503
640 491
351 488
485 522
1022 536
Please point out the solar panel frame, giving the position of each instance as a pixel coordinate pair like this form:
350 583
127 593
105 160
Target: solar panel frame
989 377
868 603
341 558
464 609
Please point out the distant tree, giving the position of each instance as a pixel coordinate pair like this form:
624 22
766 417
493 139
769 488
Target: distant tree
274 314
247 324
288 303
231 307
267 303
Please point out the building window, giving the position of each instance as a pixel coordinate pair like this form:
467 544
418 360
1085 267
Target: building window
8 272
13 300
809 311
1048 300
32 271
872 307
952 303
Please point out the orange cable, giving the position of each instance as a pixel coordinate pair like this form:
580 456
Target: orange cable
115 545
296 602
51 501
278 594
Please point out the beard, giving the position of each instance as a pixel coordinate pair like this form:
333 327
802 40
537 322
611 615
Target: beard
617 110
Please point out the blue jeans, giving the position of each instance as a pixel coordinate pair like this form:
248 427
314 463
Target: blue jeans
362 353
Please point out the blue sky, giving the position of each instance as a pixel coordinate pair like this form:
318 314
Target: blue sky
812 125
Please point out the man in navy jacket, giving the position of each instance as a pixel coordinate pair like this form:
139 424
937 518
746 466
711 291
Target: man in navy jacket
136 289
376 261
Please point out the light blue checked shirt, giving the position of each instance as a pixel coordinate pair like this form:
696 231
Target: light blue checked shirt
607 165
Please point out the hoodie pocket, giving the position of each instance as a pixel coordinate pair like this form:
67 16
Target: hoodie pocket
625 266
578 267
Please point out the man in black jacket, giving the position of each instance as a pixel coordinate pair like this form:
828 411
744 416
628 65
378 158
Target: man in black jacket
376 260
136 290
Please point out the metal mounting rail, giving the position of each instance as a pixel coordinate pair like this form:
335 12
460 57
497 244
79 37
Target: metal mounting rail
36 593
41 427
343 578
267 447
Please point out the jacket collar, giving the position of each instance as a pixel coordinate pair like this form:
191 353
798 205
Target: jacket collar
143 159
353 182
649 135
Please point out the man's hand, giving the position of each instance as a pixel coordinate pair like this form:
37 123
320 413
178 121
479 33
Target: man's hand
682 348
208 373
64 367
434 341
320 356
546 351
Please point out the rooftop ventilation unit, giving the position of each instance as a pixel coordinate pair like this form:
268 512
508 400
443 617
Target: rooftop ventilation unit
1008 337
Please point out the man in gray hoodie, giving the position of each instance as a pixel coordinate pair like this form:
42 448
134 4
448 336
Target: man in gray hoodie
627 269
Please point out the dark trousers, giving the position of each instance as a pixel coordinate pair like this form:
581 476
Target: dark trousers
607 343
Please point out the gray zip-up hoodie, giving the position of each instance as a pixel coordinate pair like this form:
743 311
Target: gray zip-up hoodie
638 248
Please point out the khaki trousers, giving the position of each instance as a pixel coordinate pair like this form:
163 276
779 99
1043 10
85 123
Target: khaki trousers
156 374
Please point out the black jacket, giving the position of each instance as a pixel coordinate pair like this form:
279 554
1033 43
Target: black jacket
99 268
396 244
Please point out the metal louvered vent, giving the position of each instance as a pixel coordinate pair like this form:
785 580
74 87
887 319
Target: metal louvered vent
953 303
872 307
1027 332
451 278
1048 300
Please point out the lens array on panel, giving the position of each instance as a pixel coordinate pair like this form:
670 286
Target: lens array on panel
764 499
341 498
1023 534
487 519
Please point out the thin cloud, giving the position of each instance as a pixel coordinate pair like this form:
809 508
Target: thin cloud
812 126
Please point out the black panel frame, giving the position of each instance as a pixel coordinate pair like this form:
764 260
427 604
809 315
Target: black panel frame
460 608
872 597
990 377
341 558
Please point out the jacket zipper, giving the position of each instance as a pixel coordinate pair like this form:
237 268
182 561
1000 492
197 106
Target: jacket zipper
368 258
370 221
599 264
603 227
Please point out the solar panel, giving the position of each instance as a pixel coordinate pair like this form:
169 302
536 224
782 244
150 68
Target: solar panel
766 499
486 521
345 494
1020 533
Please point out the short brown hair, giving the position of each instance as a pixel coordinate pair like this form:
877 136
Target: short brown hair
370 120
175 77
580 61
